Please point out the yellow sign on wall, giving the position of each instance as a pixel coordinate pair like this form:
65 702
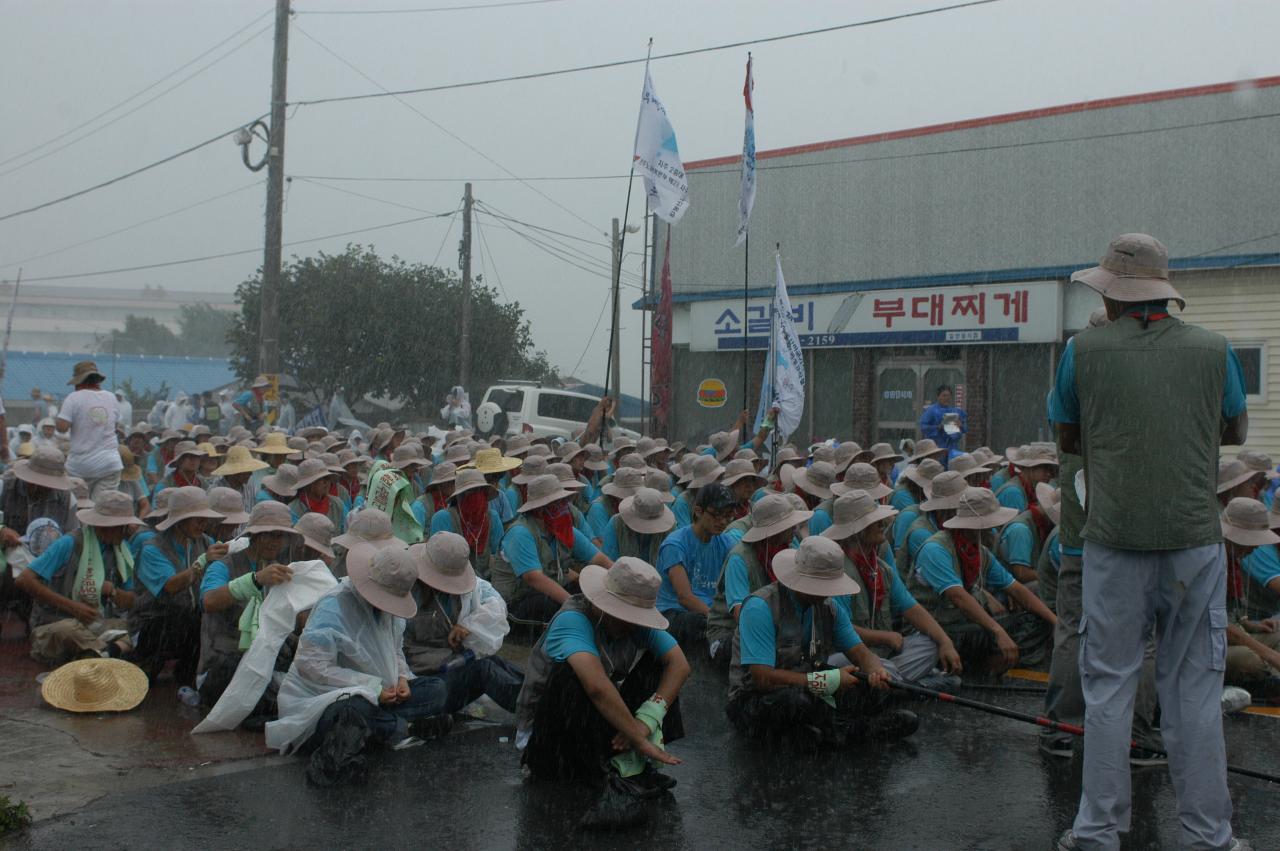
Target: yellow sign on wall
712 393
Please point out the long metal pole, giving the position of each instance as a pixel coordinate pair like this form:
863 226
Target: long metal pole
644 331
615 339
269 327
746 265
464 338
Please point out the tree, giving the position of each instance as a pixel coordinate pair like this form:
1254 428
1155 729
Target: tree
142 335
363 325
204 329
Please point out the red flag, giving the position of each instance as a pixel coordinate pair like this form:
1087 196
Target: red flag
660 354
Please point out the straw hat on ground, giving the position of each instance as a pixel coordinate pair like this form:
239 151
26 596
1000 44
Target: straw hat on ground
270 517
239 460
945 491
230 504
646 514
816 479
367 526
772 515
978 508
1245 522
444 563
316 531
627 591
185 503
861 476
112 508
384 577
95 685
854 512
816 568
543 491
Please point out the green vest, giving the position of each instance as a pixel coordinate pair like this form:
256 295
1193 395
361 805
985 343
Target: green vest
720 622
905 557
741 525
220 631
860 604
794 650
643 547
942 609
1150 428
512 587
1072 520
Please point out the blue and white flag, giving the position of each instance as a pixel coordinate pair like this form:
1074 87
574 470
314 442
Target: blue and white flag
784 378
315 417
657 157
748 198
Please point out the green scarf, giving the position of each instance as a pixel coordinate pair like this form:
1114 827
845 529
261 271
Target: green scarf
244 590
391 493
91 568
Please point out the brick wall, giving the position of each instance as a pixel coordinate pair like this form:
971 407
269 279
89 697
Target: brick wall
977 401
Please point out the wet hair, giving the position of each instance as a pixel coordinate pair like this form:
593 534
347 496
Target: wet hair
942 388
714 497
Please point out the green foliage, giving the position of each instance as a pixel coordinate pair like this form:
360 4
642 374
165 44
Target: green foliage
204 330
14 816
142 335
143 400
358 323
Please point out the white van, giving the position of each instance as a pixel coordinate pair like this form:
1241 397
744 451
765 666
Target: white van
516 407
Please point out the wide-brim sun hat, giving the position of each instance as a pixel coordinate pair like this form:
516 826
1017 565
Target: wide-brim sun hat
884 452
816 480
1232 473
854 512
1050 500
230 504
270 517
926 448
861 476
1134 269
186 503
491 461
1245 522
703 471
543 491
646 514
625 483
284 481
1258 461
772 515
85 370
627 591
95 685
45 468
978 508
112 508
945 491
368 526
384 577
923 473
311 471
815 568
1037 455
741 468
469 479
316 531
274 443
444 563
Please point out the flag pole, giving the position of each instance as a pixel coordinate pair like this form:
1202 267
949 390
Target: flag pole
746 388
773 367
616 336
8 325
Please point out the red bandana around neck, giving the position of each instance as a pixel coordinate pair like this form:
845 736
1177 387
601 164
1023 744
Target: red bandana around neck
741 509
352 484
319 506
439 502
969 554
559 522
1043 524
1235 577
868 564
765 551
473 508
182 481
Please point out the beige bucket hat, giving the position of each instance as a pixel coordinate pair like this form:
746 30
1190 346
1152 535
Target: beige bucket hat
1135 268
270 517
621 444
704 471
283 481
923 473
987 458
442 474
1050 500
739 469
185 503
444 563
967 465
595 458
945 491
845 455
855 511
1259 462
786 454
85 370
1233 472
300 447
407 455
539 450
160 507
384 577
80 490
334 463
311 471
458 453
1037 455
46 468
569 450
131 471
646 514
230 504
884 452
816 568
816 479
112 508
978 508
469 479
367 526
725 443
823 452
260 382
861 476
95 685
564 473
627 591
518 445
543 491
659 481
655 446
927 448
1245 522
625 483
533 466
187 447
490 461
772 515
316 531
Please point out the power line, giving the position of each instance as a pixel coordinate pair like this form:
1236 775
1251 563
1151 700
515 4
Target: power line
437 124
137 94
570 259
608 297
225 254
640 60
359 195
551 178
576 254
128 175
496 213
118 231
428 9
493 263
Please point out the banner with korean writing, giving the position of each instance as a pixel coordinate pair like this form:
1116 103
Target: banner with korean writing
783 383
657 157
988 313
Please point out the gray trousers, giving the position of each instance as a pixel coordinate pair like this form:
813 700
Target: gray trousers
103 484
1064 700
917 657
1182 593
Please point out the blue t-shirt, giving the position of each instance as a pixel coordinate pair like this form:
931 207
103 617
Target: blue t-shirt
935 566
512 495
1263 565
683 510
139 538
931 425
1064 404
154 569
737 583
900 598
915 540
216 575
901 498
570 632
1011 495
598 516
701 561
903 522
521 549
442 521
48 563
1016 543
757 634
819 522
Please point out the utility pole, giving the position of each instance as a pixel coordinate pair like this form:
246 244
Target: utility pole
615 339
464 341
269 329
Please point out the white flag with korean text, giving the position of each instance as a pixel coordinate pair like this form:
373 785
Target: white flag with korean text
657 157
747 199
784 379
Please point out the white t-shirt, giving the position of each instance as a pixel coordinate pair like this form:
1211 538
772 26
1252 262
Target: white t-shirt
93 415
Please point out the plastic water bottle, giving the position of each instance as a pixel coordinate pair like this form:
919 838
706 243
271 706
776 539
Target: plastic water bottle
189 696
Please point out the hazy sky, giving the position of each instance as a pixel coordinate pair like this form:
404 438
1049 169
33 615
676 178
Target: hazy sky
64 62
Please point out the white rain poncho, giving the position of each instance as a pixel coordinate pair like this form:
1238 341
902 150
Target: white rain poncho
484 613
457 409
310 581
348 647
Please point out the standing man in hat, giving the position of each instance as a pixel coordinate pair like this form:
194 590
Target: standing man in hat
942 422
82 586
1150 393
459 627
690 561
249 404
91 415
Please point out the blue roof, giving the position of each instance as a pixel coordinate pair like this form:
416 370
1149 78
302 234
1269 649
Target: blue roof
50 371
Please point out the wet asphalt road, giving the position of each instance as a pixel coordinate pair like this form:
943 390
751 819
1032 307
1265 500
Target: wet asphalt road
965 781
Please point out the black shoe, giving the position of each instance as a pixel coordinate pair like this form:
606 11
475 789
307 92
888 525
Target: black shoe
652 778
620 805
938 681
892 725
1142 756
435 727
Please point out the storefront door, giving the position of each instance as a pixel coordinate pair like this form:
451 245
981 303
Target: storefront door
904 390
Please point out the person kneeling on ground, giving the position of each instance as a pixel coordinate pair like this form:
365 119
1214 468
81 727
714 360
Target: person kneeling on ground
459 627
1253 650
956 579
690 561
350 685
599 697
231 593
82 586
909 655
779 681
